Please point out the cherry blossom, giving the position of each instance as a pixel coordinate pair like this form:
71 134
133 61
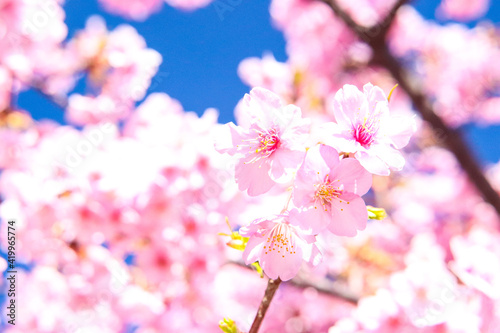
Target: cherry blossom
365 127
271 149
279 247
328 192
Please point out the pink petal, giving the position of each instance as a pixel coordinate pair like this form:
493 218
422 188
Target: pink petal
266 98
261 104
377 102
314 167
227 137
372 163
289 121
348 216
389 155
343 143
312 255
254 177
349 104
257 226
353 176
283 163
284 265
340 138
309 239
317 164
253 249
329 155
310 219
330 128
399 130
296 132
303 191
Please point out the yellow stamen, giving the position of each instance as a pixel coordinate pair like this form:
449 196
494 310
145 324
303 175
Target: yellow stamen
390 93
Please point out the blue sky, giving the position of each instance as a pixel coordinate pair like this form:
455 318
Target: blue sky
201 51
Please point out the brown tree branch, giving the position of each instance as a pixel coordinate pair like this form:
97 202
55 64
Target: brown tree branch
272 287
328 287
59 101
385 24
365 33
324 286
452 139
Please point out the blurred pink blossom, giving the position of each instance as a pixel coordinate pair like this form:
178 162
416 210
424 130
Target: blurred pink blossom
120 67
463 10
140 10
133 9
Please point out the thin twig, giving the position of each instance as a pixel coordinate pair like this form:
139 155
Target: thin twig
344 16
325 286
452 139
366 33
328 287
272 287
385 24
60 102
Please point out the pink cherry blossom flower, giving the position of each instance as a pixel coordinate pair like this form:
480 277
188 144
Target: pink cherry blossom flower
365 127
327 191
272 148
279 247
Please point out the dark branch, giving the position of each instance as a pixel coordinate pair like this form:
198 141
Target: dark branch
328 287
451 138
58 101
344 16
385 24
272 287
378 31
324 286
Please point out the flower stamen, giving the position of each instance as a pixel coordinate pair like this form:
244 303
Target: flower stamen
327 191
263 145
279 239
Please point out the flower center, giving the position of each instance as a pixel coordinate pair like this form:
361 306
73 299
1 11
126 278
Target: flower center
263 145
365 132
280 240
363 135
327 191
268 142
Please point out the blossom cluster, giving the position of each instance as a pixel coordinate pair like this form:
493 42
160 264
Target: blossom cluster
329 168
